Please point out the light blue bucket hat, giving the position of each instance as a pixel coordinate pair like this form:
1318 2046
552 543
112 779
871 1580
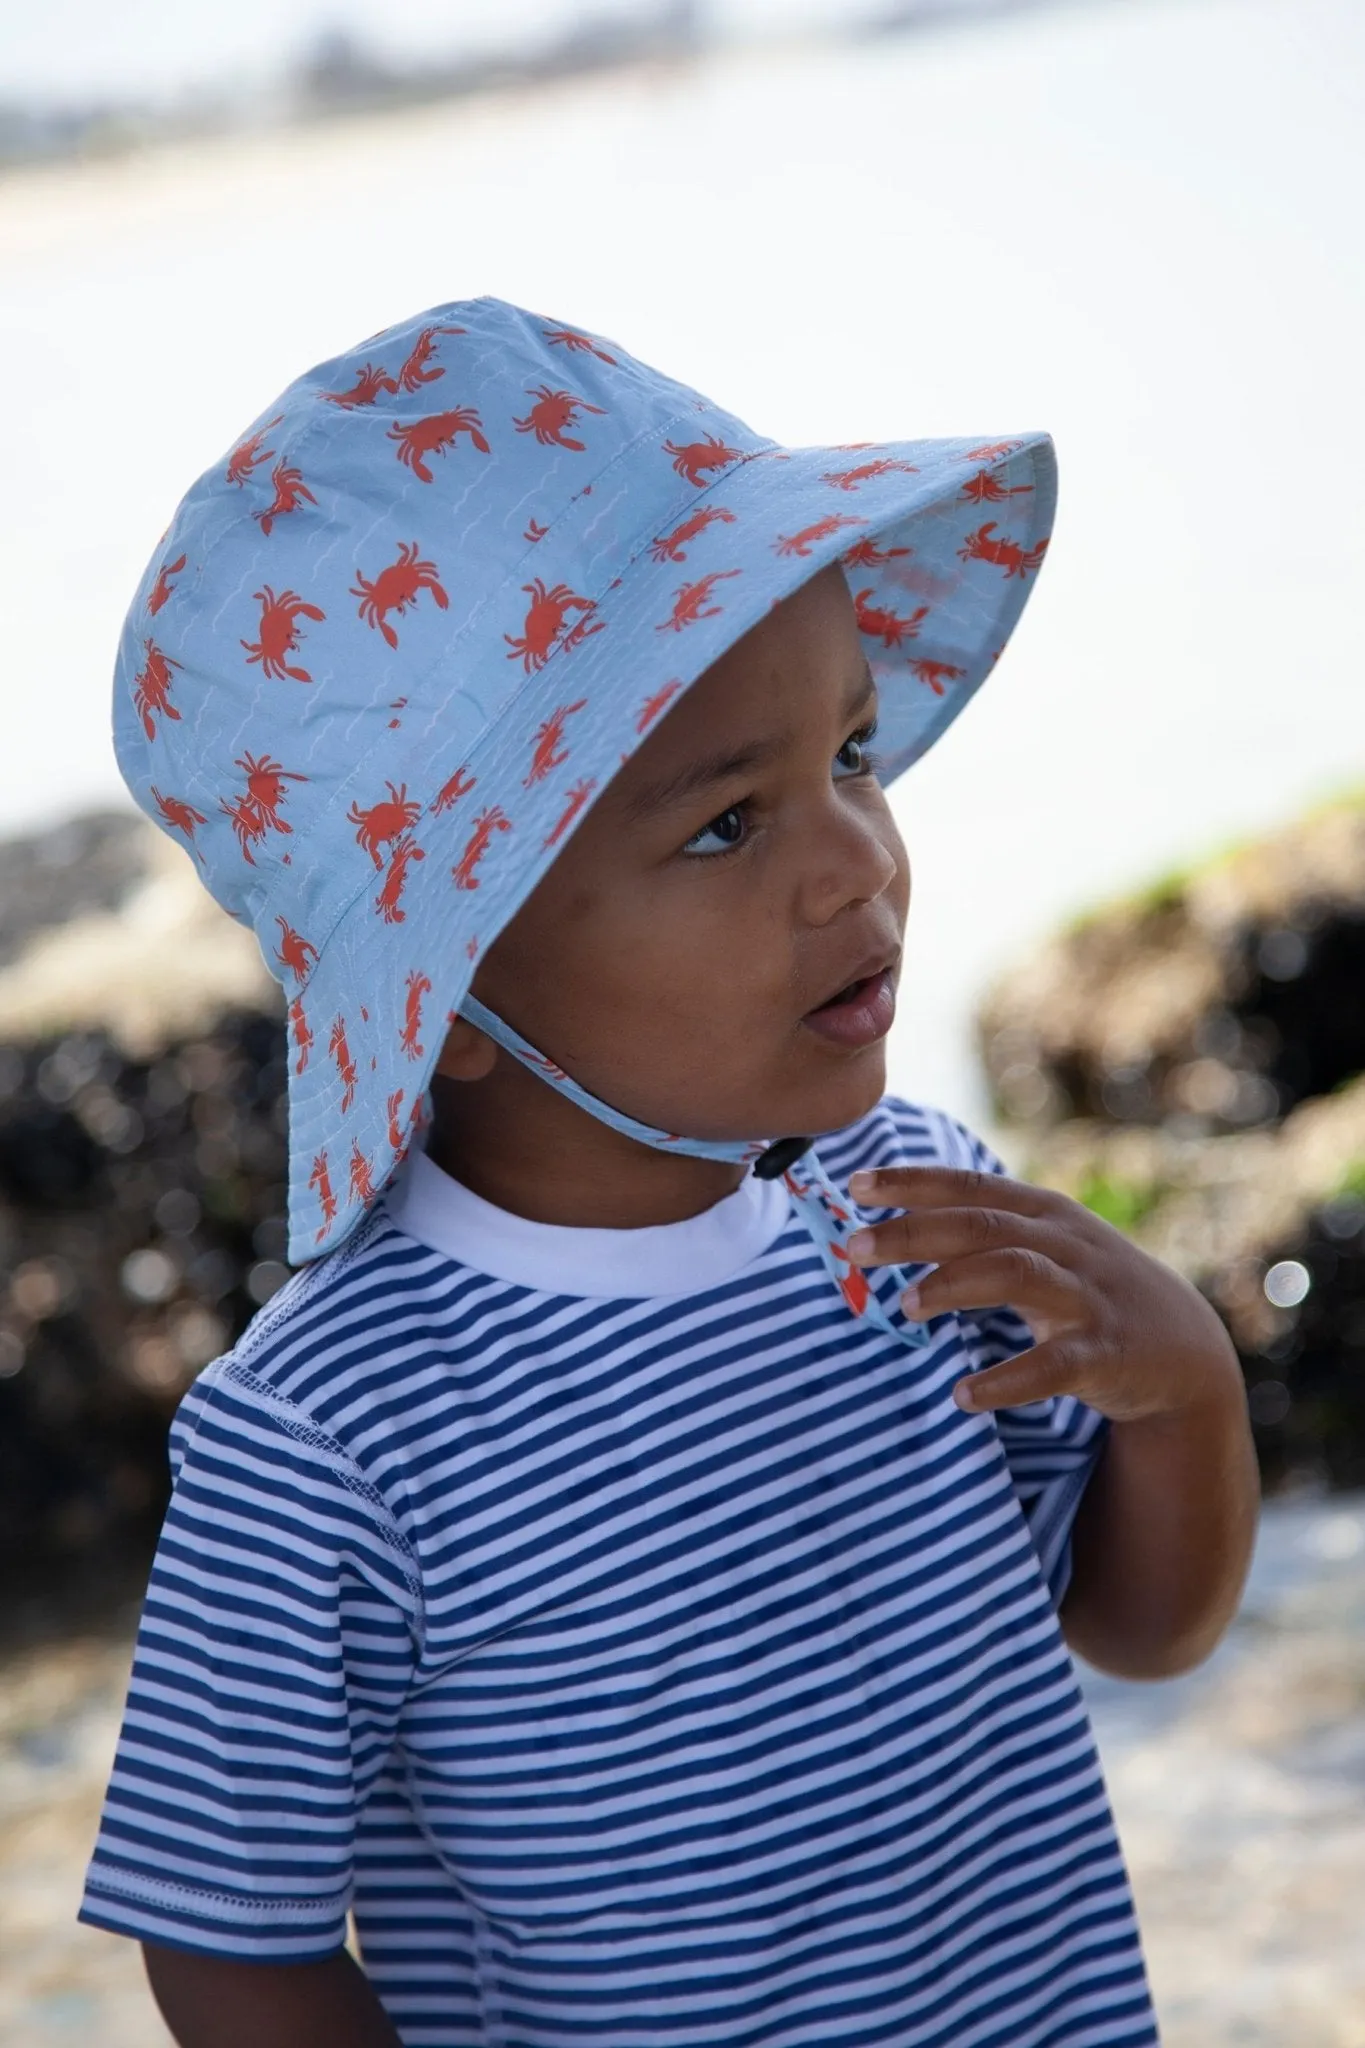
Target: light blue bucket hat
395 643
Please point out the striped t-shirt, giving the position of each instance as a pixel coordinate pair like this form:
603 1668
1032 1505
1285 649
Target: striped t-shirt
649 1652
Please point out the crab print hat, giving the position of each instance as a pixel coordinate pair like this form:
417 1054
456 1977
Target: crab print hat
399 637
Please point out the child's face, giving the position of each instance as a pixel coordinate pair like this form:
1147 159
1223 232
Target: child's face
740 871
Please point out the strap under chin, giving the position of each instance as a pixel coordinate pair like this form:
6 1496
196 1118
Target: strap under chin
781 1154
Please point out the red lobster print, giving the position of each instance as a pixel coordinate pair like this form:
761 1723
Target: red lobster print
1005 554
853 1284
411 1039
279 632
362 1185
417 367
535 531
800 543
397 588
396 1134
881 465
340 1051
369 382
388 819
577 797
432 436
936 674
449 794
547 752
992 451
321 1179
290 492
655 703
689 603
986 489
486 824
552 413
569 338
250 454
294 951
180 816
694 458
888 627
256 811
865 554
301 1032
152 688
162 588
669 547
405 851
545 623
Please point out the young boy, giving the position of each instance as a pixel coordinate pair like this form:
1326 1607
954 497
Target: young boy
601 1569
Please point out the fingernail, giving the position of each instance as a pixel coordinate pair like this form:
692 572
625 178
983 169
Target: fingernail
861 1245
910 1301
965 1394
861 1185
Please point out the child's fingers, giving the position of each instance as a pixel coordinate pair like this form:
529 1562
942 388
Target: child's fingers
927 1187
1015 1276
925 1237
1036 1375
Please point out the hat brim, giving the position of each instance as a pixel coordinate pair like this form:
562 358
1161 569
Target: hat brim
941 541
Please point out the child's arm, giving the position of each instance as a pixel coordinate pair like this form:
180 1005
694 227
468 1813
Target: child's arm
211 2003
1163 1536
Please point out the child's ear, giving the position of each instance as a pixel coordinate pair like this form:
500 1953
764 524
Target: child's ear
468 1053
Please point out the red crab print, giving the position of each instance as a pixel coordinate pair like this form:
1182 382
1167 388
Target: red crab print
369 382
552 413
418 368
546 620
936 674
279 632
992 451
548 753
388 819
290 492
163 586
152 688
387 903
449 794
396 588
986 489
535 531
689 603
411 1039
180 816
577 797
321 1179
544 1065
800 543
888 627
863 472
340 1051
865 554
396 1136
301 1033
655 703
694 458
982 546
669 547
486 824
569 338
294 951
256 811
249 455
362 1185
432 436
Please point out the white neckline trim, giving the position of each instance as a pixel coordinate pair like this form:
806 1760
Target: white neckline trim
613 1265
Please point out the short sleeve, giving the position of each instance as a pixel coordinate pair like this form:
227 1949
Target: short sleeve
1051 1447
276 1648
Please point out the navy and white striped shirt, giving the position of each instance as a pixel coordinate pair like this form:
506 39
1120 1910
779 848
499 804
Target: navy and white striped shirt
649 1652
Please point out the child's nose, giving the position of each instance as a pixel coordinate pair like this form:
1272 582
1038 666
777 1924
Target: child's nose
853 859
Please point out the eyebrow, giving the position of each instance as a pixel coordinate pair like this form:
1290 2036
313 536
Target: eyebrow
696 776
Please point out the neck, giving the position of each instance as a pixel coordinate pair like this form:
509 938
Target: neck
517 1143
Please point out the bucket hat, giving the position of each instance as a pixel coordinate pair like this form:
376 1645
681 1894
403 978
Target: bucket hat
398 639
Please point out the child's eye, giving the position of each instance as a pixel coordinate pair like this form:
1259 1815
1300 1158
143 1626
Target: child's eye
727 830
855 756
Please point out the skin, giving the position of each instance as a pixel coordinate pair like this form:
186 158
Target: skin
668 961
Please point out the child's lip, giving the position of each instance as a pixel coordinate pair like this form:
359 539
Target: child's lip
863 1016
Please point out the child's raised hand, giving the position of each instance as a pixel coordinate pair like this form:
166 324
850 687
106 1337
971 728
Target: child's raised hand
1111 1324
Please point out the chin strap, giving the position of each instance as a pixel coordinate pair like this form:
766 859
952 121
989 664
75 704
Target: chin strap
827 1215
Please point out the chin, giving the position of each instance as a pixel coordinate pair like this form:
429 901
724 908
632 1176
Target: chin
840 1099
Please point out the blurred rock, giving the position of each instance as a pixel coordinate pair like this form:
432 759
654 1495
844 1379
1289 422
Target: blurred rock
1191 1064
142 1188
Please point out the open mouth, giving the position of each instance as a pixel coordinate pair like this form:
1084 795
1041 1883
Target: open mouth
860 1013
